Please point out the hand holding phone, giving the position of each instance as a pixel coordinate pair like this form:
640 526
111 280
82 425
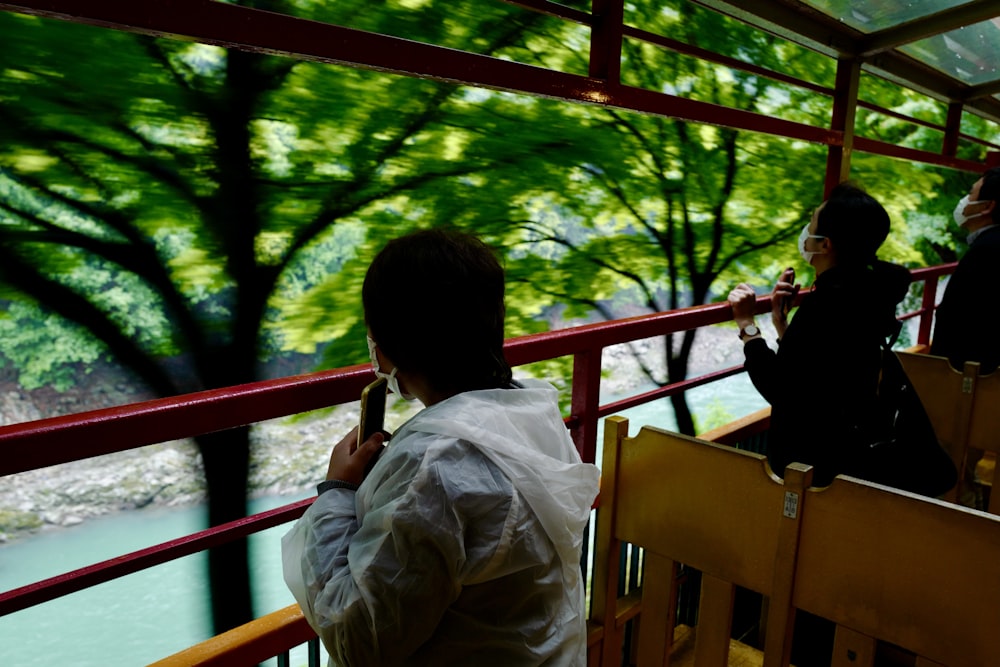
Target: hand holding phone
372 409
790 288
372 415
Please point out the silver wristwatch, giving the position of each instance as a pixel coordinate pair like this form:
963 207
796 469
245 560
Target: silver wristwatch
748 332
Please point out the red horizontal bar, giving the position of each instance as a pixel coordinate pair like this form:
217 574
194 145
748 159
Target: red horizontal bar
937 271
554 9
902 152
668 390
713 57
37 444
564 342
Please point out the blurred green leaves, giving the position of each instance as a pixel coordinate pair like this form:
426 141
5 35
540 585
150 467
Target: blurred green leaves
224 205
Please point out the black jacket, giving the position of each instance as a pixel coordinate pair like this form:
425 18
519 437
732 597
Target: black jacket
967 326
826 369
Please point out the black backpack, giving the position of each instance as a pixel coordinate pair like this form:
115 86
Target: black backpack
894 442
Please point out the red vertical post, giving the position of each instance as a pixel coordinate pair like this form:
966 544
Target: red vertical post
992 159
845 107
952 130
586 402
606 40
927 311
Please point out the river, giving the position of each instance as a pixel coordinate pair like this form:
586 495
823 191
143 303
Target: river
150 614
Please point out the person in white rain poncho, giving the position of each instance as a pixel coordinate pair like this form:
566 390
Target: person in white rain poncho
462 544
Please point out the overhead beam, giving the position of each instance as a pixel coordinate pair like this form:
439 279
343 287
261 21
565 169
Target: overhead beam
233 26
796 22
239 27
909 73
983 90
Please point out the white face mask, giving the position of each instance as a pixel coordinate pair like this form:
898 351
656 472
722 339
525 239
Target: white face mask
959 212
390 378
807 254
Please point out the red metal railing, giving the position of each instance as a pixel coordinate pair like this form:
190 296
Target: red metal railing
48 442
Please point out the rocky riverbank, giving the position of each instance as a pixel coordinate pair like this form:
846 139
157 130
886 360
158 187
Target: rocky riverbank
288 455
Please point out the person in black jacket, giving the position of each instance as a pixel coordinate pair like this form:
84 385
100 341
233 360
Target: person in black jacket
967 324
826 368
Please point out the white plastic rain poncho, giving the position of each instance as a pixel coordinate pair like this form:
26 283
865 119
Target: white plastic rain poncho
462 547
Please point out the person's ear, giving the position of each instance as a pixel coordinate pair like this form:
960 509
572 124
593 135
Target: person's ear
990 207
384 363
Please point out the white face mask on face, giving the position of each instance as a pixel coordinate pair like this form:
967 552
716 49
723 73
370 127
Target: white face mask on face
807 254
959 212
390 378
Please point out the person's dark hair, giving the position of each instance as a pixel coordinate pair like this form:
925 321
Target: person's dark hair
434 302
990 190
854 222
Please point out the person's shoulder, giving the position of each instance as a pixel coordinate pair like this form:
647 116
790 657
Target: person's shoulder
982 258
988 240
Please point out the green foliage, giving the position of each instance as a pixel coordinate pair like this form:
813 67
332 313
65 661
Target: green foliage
714 415
218 192
128 194
16 521
196 198
46 349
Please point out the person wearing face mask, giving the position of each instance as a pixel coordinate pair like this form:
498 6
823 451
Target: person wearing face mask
462 544
826 367
967 323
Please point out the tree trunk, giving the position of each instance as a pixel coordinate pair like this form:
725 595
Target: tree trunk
226 456
677 370
682 412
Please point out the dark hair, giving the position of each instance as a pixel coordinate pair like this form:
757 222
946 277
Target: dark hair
854 222
434 303
990 190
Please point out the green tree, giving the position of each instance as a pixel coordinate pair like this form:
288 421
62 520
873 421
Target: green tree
173 199
663 209
672 214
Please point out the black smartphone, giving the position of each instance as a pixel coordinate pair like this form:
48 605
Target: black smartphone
788 301
372 409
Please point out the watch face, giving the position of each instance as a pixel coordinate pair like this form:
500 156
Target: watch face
751 331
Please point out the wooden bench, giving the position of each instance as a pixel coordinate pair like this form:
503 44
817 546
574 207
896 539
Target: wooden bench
664 492
964 408
915 572
918 573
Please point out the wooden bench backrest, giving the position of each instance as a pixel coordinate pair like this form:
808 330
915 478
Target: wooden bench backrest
916 572
712 507
882 564
963 406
